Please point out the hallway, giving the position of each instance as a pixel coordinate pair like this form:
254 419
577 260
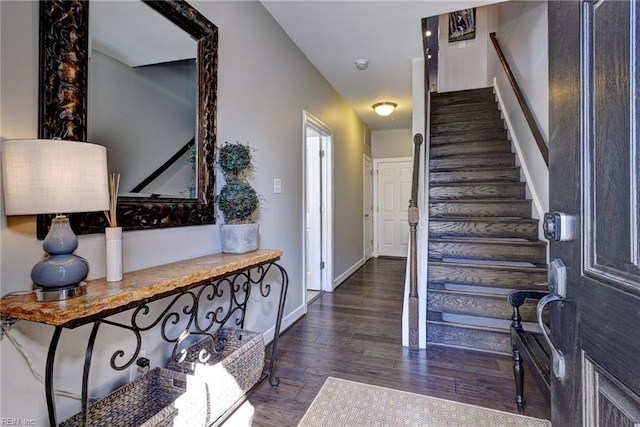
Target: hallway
354 334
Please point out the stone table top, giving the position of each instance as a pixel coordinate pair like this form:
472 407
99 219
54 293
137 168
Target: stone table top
106 298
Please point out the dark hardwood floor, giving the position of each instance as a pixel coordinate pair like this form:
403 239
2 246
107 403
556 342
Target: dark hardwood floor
354 333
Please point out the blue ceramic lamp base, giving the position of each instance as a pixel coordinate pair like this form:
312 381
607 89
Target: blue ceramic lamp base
60 275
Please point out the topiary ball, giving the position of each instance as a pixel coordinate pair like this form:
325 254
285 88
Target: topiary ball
238 201
234 159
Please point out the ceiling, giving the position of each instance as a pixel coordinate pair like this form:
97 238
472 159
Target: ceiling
116 31
334 34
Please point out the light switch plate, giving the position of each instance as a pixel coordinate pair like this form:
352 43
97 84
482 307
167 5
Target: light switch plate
277 185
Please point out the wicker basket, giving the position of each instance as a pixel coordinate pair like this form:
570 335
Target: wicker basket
230 372
161 397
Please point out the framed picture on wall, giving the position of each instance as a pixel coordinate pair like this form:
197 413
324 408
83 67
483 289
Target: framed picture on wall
462 25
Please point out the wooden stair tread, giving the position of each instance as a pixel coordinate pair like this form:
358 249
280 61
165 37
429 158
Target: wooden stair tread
484 226
486 219
462 208
441 111
487 241
491 276
467 137
469 303
474 177
467 184
443 102
479 147
481 156
486 248
488 200
477 190
496 168
477 337
481 169
487 111
451 93
459 302
455 128
439 99
471 121
469 160
465 326
471 142
491 267
483 262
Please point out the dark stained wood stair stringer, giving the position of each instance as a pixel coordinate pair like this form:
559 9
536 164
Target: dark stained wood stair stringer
483 241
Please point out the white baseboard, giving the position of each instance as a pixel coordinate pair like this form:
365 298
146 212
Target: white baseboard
338 280
286 322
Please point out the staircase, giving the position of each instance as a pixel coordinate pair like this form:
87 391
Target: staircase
483 242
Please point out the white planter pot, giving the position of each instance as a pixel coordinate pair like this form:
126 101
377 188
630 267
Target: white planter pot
239 238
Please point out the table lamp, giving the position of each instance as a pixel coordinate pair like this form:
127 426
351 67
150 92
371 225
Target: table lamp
43 176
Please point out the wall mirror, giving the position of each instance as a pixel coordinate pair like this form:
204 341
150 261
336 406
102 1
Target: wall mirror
153 104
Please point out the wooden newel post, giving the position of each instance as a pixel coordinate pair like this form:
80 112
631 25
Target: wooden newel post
414 217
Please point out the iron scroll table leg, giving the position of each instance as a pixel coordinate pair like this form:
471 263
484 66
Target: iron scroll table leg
85 374
48 376
276 334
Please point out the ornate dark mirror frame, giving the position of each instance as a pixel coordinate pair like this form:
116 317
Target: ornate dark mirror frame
63 110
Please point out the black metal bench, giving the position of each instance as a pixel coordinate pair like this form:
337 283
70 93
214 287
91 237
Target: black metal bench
529 348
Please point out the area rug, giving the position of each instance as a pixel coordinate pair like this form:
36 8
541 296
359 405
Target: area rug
347 403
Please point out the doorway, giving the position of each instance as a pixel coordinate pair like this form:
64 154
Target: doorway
367 179
392 191
318 218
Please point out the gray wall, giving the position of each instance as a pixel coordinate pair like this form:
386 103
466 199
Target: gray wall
521 27
264 83
143 115
391 143
463 67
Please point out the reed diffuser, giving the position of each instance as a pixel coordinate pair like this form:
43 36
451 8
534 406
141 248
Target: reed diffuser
113 233
114 187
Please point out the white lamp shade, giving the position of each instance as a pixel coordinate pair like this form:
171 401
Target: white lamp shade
44 176
384 108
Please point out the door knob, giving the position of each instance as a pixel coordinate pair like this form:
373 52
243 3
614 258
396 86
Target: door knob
559 364
558 292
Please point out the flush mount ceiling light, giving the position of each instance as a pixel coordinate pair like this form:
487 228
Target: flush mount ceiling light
384 108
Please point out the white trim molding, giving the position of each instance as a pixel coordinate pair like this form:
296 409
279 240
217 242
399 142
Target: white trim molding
538 204
327 196
344 276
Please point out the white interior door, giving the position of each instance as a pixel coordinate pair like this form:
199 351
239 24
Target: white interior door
367 171
394 192
313 230
317 204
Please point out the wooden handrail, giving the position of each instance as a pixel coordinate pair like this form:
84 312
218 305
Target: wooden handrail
528 114
138 188
414 217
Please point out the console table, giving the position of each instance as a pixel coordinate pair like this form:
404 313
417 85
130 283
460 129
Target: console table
201 282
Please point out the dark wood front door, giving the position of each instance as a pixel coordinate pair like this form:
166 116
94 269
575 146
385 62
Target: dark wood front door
594 79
